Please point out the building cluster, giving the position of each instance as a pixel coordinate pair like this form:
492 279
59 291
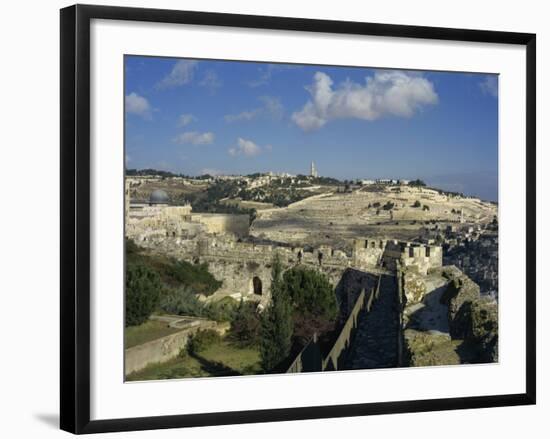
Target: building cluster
383 181
158 219
472 248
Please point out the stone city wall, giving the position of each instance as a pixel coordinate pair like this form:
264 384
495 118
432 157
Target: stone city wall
238 225
236 264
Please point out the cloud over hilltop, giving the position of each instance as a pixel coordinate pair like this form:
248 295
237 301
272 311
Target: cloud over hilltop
245 147
392 93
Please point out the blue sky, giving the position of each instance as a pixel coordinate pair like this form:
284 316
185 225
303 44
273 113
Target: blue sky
227 117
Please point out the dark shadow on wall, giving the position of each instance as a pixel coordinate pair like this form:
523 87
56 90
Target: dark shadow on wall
350 286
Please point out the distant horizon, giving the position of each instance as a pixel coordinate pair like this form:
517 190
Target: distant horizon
439 184
197 117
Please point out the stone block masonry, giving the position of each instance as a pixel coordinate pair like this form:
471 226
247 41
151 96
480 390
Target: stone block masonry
165 348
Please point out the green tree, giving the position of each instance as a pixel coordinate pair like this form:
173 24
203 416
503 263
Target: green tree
143 289
417 182
276 322
245 326
311 292
315 308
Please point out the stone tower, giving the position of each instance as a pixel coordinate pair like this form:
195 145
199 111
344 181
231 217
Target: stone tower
313 172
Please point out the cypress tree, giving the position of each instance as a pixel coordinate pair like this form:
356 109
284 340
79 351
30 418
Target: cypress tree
277 326
143 288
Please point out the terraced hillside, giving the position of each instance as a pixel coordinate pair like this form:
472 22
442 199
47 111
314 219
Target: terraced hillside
392 212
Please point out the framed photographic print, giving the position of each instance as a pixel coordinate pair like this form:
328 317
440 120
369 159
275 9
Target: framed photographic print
268 218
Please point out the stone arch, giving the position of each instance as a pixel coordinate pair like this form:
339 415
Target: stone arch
257 287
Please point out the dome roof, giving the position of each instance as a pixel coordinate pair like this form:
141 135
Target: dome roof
159 197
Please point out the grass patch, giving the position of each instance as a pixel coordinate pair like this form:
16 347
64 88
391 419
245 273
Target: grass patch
150 330
220 359
245 360
181 367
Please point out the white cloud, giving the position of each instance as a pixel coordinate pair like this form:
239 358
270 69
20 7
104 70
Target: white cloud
186 119
271 107
211 81
182 73
266 73
195 138
386 93
136 104
490 85
245 147
244 115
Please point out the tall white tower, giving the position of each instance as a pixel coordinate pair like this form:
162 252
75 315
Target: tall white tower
313 172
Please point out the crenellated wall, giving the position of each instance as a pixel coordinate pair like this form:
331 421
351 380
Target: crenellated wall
237 264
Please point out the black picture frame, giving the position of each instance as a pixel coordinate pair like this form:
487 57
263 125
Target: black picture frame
75 217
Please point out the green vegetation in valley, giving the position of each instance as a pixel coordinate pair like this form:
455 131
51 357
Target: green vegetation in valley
221 358
303 304
147 331
172 272
157 284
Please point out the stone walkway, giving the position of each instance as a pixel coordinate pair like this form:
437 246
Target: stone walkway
375 343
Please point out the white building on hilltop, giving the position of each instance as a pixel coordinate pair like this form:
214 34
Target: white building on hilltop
313 172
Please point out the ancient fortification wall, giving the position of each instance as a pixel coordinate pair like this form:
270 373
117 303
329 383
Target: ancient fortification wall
245 268
223 223
146 221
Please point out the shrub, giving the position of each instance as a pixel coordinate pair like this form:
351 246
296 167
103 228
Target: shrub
131 247
245 326
143 288
201 340
388 206
425 207
311 292
172 272
181 301
416 204
197 277
222 310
